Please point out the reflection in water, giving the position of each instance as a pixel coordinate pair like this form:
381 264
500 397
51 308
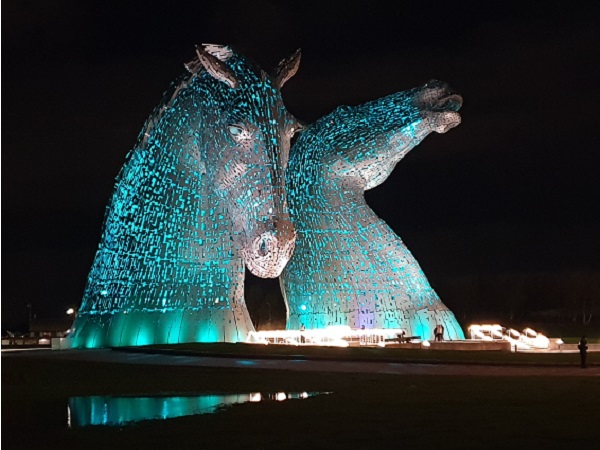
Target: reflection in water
108 410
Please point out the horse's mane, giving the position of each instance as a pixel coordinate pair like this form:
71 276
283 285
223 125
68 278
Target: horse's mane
194 68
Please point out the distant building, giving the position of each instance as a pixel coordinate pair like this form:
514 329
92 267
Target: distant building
49 328
41 331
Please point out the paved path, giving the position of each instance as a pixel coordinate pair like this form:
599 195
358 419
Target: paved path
106 355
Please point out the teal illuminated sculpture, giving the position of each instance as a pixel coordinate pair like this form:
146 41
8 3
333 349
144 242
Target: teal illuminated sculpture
349 267
201 193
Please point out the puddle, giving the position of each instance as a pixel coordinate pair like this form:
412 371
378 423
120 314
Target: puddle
115 411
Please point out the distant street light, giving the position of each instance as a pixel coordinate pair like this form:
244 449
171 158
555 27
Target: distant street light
70 311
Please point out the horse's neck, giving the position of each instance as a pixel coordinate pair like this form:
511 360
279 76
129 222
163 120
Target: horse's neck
344 218
176 88
348 235
164 185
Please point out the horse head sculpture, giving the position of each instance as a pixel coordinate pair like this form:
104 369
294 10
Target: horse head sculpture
248 142
201 194
349 267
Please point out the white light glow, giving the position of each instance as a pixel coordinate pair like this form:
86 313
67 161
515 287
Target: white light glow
527 340
529 332
332 336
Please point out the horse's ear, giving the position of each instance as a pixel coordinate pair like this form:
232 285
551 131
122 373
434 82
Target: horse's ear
214 66
287 68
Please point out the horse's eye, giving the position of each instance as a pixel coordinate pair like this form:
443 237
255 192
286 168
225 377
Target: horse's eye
236 131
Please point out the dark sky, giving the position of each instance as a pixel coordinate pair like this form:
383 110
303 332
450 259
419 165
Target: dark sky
513 189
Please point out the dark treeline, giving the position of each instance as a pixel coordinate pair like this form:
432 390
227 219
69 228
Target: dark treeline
543 296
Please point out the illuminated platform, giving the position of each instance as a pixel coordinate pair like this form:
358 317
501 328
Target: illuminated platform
528 339
333 336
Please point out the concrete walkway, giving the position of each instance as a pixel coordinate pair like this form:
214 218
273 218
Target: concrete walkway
107 355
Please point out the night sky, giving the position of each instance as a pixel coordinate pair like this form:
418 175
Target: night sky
511 194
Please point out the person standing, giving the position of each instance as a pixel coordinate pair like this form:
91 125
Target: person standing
438 332
583 351
302 330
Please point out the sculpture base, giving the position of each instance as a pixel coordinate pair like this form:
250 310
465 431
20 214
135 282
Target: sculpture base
415 322
158 327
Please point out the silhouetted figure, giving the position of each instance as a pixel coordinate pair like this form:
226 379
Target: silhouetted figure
583 350
302 330
439 332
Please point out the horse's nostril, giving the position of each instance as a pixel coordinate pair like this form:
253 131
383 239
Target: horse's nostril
262 249
264 244
452 102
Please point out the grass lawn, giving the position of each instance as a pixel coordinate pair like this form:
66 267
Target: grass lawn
377 354
364 411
